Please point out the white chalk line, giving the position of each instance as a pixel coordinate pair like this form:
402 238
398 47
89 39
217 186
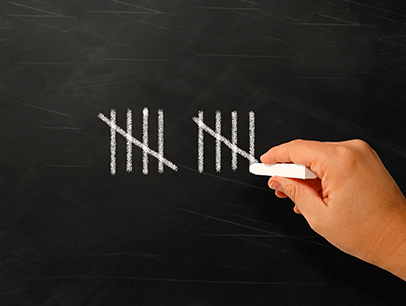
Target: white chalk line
145 115
218 142
251 128
234 140
160 139
200 145
203 127
129 144
115 128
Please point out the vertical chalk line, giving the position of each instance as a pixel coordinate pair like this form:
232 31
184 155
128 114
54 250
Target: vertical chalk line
129 144
251 128
113 142
234 140
145 140
160 140
218 142
200 144
116 129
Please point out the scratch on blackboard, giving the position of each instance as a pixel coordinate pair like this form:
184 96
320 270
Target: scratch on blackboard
272 38
60 128
83 292
280 16
35 16
233 267
178 280
373 7
42 24
333 24
69 166
335 4
30 257
327 78
347 21
9 136
142 7
217 219
141 59
25 289
109 83
250 2
127 12
150 238
231 203
42 2
227 8
243 55
275 235
37 107
39 10
125 16
240 216
136 254
223 178
391 20
26 117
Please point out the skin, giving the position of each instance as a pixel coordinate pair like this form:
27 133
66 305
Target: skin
354 203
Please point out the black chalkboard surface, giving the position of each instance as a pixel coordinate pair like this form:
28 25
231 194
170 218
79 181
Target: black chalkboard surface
116 187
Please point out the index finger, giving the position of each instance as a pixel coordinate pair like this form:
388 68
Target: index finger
312 154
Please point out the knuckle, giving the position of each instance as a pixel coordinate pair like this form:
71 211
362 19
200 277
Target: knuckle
360 145
352 152
297 141
345 151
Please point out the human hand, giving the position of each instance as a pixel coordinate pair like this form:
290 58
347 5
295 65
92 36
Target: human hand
354 203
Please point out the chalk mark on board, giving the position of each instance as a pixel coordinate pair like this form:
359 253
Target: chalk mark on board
114 129
232 145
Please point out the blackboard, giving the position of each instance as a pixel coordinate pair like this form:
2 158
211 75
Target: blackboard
80 227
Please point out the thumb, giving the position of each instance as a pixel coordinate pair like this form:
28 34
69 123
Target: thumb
305 197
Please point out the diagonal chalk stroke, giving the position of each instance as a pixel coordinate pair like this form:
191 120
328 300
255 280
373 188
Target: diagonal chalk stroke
114 128
231 145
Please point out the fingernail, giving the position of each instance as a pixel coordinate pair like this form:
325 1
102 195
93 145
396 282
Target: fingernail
276 186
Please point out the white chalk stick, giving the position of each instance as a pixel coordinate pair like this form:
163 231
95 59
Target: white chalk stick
284 170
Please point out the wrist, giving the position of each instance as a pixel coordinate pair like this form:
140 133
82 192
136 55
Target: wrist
395 259
396 262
